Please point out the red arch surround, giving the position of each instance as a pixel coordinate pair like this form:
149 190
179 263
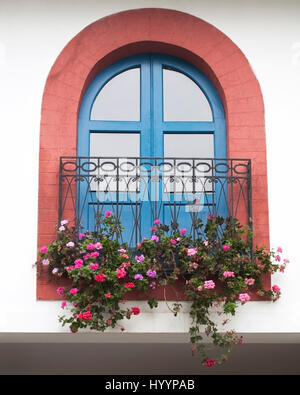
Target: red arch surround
149 30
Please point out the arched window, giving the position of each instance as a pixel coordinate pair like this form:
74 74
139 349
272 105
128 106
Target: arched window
170 31
151 134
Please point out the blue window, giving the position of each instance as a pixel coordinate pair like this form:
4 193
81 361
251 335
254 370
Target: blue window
151 129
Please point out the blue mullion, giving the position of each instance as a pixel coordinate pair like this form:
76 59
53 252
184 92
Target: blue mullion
114 126
145 110
157 111
157 122
145 142
188 127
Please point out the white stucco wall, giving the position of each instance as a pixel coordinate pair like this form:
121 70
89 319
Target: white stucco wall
32 34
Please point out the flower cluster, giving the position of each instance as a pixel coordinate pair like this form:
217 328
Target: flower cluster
220 273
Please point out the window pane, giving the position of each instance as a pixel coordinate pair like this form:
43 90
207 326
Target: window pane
111 174
182 178
183 99
187 145
119 99
115 144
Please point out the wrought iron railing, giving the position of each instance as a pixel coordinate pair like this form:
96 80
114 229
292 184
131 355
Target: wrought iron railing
179 191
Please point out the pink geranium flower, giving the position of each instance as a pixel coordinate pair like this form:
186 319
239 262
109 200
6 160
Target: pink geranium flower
98 246
129 285
107 295
192 251
278 258
227 274
226 247
63 304
135 310
73 291
44 250
108 213
209 284
182 231
94 266
138 276
120 273
45 262
172 241
157 222
151 273
60 290
276 289
125 265
86 316
140 258
78 263
279 249
90 246
94 254
70 244
244 297
125 256
209 363
249 281
100 277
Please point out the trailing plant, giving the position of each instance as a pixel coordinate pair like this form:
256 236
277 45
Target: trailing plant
220 268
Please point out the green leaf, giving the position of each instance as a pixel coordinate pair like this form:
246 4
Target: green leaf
152 303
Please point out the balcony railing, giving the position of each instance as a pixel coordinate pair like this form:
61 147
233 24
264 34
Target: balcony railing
138 190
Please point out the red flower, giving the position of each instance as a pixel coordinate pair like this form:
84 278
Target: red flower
100 277
129 285
135 310
108 295
209 363
86 316
44 250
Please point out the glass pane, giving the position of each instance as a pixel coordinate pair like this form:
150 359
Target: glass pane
115 144
189 175
112 174
187 145
119 99
183 99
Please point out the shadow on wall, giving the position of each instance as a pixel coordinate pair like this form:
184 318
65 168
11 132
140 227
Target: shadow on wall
147 359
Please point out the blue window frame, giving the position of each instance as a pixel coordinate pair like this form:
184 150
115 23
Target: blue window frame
153 131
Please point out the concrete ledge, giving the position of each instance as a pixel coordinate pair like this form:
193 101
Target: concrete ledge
87 337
